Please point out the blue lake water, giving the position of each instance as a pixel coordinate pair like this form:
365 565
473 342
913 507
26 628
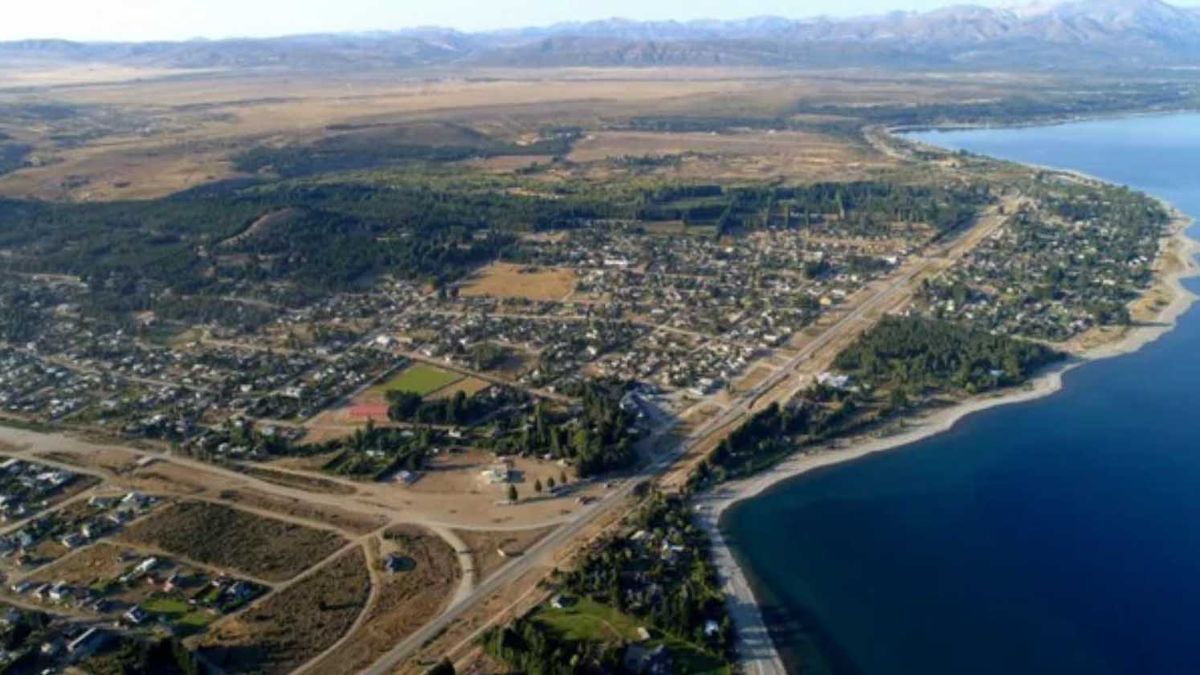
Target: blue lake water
1056 536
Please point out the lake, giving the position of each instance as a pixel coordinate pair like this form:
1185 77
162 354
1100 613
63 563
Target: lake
1056 536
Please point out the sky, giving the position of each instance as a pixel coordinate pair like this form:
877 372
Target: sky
118 20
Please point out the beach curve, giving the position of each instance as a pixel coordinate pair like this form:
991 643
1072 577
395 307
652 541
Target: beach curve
756 651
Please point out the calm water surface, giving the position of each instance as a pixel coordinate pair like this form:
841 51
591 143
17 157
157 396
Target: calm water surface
1058 536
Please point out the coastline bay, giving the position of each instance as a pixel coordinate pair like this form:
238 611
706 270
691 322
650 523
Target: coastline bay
1054 535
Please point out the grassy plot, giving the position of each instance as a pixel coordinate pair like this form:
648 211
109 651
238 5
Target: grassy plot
588 620
183 615
420 379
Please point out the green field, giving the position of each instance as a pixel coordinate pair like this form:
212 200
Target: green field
172 606
420 379
591 621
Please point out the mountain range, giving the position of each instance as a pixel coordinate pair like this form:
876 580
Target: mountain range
1067 35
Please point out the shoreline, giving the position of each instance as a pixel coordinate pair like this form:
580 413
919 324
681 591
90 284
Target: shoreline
757 652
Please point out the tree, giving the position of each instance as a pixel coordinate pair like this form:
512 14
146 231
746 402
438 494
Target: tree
537 485
512 493
550 482
562 477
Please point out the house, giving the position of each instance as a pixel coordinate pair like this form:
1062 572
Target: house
133 498
101 502
86 644
146 565
60 591
834 380
239 591
561 601
74 540
500 472
136 615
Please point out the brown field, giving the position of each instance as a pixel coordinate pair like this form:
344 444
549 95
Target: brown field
185 128
226 537
304 463
84 73
172 478
312 483
506 280
295 624
329 425
748 154
404 600
342 519
130 172
467 385
756 375
459 472
94 563
486 546
116 461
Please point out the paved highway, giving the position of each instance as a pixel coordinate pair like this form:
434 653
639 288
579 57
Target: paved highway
544 549
893 291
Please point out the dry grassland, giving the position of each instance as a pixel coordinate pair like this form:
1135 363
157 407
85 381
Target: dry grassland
195 123
467 385
485 547
506 280
342 519
295 624
404 601
302 481
86 566
225 537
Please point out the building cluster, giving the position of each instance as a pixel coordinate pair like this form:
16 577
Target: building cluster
28 487
684 313
1059 266
46 538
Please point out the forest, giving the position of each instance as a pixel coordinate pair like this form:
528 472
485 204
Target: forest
898 363
372 150
459 409
596 437
294 241
865 208
918 354
140 255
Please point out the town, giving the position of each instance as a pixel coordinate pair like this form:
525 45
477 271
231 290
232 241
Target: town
451 369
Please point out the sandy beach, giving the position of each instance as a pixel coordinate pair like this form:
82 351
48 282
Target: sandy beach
757 653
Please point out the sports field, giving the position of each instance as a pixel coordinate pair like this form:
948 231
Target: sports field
420 379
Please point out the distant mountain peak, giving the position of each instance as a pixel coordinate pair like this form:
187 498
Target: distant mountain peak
1041 34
